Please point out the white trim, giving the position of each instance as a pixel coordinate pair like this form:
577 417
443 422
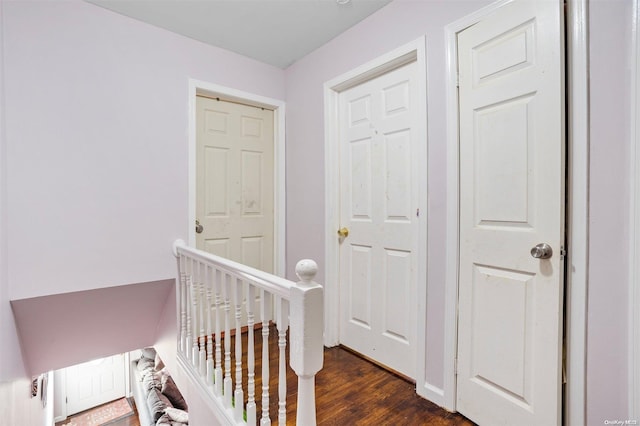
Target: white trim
332 218
413 51
60 386
197 87
577 211
577 191
634 255
127 374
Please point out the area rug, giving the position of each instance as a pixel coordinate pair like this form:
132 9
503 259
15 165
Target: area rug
101 415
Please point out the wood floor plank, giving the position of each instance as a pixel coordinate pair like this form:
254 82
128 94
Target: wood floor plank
350 391
354 391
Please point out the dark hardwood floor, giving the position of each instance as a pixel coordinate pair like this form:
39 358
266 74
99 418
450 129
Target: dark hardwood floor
349 391
354 391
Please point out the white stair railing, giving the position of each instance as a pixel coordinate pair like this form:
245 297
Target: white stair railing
217 299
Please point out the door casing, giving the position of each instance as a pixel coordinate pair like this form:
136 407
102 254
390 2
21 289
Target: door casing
196 88
577 207
410 52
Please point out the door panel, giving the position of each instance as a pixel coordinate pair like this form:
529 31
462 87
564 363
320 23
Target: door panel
378 203
511 99
235 181
94 383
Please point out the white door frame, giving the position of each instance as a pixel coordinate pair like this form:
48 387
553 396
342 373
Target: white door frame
577 209
634 257
413 51
197 87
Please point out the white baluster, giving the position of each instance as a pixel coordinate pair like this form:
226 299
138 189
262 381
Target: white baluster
187 302
228 381
282 324
218 365
202 355
251 359
182 304
265 312
209 285
239 393
307 350
189 339
195 314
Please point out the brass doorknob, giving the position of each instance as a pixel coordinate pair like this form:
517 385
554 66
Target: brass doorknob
199 227
343 232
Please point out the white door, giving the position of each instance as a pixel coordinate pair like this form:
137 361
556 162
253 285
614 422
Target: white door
94 383
378 204
512 166
235 182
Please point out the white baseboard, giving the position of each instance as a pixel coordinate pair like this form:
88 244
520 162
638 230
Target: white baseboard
432 393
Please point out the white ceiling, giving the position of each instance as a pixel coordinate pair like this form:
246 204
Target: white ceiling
277 32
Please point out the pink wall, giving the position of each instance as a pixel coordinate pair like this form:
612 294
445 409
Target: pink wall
93 168
94 149
166 332
394 25
607 374
95 323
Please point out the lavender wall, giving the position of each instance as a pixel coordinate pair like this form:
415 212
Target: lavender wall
94 149
93 168
403 21
94 323
166 332
610 47
19 409
394 25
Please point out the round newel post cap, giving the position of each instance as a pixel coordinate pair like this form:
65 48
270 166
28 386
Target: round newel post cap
178 243
306 270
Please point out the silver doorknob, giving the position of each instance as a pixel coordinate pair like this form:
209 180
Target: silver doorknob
542 251
199 228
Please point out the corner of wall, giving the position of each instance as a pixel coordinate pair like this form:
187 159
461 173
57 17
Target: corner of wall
167 332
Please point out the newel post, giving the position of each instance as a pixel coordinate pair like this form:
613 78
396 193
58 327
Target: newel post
306 328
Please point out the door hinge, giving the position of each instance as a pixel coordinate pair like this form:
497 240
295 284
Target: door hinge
455 366
457 79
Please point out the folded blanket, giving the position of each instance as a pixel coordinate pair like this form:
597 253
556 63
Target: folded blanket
165 420
177 415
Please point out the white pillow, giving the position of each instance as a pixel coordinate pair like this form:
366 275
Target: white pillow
177 415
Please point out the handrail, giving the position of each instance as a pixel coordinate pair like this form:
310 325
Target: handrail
276 285
211 298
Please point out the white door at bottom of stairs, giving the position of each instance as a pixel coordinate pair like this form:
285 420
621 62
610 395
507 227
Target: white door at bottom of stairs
94 383
235 182
379 165
512 197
